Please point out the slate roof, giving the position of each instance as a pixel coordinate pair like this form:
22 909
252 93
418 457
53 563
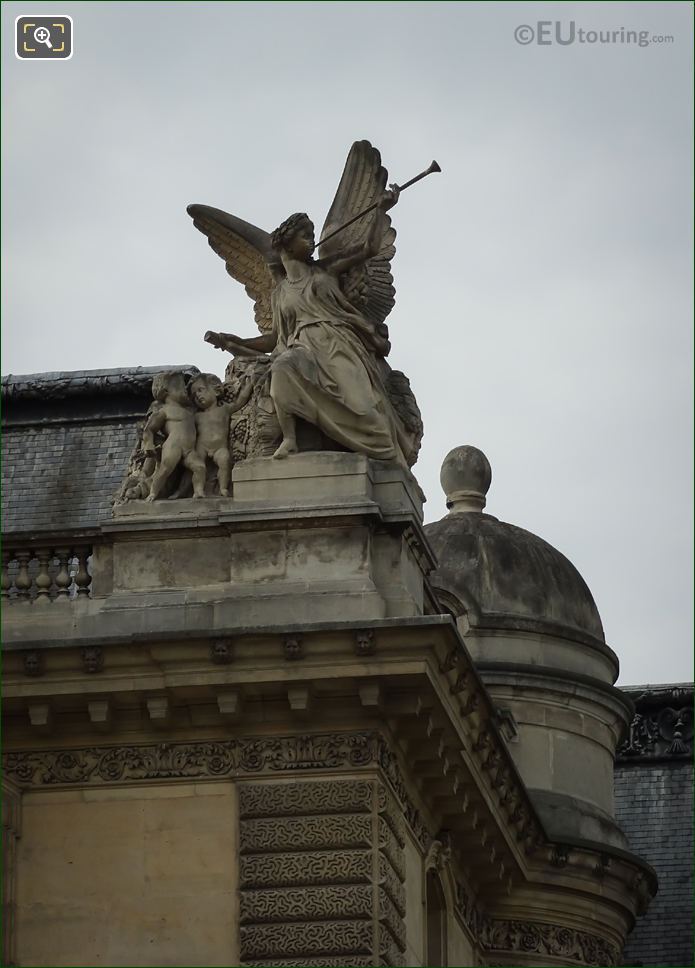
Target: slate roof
654 807
66 442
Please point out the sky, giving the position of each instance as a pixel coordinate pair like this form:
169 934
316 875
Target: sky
543 280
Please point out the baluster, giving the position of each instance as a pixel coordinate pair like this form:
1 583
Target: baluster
62 578
82 577
23 581
6 582
43 579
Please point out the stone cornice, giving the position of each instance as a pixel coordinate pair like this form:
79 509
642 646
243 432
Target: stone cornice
238 633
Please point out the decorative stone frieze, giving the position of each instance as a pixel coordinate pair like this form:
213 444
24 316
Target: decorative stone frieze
163 761
534 938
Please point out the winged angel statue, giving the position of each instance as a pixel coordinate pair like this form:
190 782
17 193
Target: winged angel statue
322 320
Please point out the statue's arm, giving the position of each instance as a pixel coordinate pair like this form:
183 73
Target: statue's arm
342 261
264 344
237 346
358 254
155 422
243 397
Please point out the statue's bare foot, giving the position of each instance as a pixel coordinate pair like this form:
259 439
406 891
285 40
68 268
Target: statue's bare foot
224 493
288 446
150 498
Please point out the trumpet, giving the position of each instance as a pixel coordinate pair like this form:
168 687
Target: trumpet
400 188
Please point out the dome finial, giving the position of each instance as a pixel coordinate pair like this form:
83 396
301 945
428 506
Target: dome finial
466 475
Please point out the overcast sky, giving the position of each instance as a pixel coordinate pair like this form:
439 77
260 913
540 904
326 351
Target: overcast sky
543 280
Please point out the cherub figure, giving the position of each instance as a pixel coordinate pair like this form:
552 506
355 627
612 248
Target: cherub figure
212 421
175 417
136 486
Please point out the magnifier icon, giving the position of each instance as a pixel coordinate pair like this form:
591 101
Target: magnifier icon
42 35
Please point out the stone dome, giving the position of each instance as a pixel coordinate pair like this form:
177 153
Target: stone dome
502 575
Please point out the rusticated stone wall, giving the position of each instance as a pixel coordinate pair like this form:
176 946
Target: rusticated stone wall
321 874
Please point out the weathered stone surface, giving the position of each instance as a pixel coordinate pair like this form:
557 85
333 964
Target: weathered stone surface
502 574
291 904
114 878
306 832
312 867
307 872
308 937
291 799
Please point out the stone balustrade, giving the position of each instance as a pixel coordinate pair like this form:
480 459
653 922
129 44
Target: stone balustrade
44 574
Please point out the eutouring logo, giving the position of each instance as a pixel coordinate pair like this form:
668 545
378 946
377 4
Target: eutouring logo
546 33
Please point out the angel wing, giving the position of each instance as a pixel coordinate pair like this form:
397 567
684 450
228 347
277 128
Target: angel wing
368 286
247 252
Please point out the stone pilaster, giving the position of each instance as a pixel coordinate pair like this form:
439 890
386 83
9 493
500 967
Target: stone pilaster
321 874
11 830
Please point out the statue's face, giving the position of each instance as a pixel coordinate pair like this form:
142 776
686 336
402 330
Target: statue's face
302 243
204 396
177 389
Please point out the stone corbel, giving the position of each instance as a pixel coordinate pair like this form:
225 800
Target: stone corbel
439 853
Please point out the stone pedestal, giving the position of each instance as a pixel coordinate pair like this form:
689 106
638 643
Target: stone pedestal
310 538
